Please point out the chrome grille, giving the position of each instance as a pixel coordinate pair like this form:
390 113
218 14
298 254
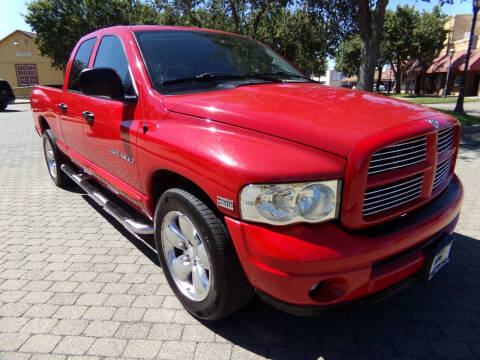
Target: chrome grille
445 139
388 196
398 155
441 173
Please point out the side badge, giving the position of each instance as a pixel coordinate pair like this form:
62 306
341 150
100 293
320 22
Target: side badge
225 203
121 155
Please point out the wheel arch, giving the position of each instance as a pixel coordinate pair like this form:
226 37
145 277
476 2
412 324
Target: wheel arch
44 125
163 179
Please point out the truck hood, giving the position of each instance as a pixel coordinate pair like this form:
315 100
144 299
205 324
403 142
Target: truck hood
327 118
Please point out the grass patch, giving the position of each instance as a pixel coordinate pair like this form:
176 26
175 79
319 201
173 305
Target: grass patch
464 119
431 99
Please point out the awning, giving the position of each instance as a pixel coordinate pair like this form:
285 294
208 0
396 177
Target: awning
440 64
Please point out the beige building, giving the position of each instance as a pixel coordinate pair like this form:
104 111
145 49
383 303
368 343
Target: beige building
459 27
22 65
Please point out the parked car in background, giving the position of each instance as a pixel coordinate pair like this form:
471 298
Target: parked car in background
6 94
250 175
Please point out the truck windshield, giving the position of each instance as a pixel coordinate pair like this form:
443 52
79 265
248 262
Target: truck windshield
179 59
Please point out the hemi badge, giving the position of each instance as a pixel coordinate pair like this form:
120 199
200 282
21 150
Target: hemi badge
434 123
225 203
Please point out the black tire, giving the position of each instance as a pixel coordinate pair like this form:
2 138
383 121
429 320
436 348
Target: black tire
58 176
230 289
3 106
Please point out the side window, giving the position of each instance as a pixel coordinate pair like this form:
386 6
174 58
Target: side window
80 62
110 54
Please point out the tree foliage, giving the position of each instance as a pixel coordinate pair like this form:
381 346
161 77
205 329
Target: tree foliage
306 32
349 54
399 39
370 16
429 34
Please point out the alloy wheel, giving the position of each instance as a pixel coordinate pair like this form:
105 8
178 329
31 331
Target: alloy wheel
186 256
50 157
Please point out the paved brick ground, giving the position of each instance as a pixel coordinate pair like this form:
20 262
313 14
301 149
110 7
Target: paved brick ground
74 284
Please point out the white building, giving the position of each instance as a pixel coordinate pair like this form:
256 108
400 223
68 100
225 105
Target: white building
331 78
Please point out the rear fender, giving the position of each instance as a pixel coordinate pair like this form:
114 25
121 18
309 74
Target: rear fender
44 102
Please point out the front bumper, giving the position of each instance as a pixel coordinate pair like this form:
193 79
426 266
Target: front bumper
321 265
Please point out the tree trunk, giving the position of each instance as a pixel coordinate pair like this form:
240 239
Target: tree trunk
379 77
368 62
398 81
370 24
235 18
256 21
419 84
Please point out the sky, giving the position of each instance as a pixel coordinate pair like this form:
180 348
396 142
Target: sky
11 18
460 7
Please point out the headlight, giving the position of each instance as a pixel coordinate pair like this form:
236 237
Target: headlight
281 204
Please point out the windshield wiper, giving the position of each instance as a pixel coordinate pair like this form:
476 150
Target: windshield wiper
287 73
210 76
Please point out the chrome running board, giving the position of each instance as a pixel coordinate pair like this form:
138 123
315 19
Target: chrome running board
132 222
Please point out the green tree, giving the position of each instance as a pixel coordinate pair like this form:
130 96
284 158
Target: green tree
382 60
407 36
349 53
399 40
60 23
350 50
429 34
305 31
370 17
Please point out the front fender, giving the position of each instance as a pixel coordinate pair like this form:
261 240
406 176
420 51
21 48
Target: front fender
222 158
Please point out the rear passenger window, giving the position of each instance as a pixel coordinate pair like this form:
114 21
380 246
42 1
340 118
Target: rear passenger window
110 54
80 62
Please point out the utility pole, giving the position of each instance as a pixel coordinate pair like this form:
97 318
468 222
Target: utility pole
450 54
341 67
461 96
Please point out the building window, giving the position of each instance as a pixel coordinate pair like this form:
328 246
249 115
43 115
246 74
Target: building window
27 74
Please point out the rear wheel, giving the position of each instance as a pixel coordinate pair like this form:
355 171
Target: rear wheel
3 106
54 160
198 257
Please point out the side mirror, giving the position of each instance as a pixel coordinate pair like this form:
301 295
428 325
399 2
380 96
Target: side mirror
103 82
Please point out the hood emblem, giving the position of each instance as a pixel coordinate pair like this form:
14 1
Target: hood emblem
434 123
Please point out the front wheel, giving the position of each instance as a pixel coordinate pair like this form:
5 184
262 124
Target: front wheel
198 257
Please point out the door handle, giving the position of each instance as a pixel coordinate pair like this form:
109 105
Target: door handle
62 107
89 116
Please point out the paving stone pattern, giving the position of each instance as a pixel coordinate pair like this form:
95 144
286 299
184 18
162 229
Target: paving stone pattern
74 284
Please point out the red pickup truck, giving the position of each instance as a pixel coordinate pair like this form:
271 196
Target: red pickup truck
250 175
